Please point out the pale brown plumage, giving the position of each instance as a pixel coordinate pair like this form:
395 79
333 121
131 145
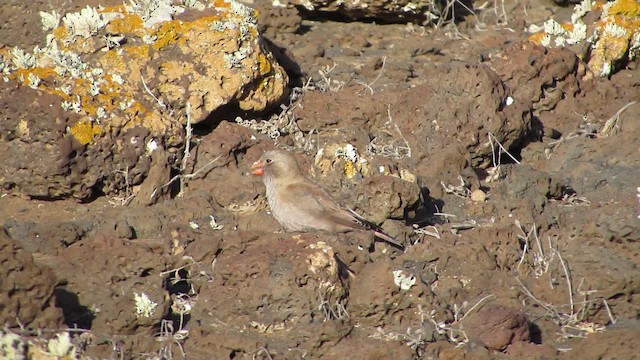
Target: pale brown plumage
300 205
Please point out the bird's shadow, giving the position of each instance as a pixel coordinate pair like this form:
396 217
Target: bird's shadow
425 213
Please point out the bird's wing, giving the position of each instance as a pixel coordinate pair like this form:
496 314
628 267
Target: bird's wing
314 201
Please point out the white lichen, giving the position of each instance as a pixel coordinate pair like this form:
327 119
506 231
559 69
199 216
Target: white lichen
403 280
124 105
144 306
87 22
61 346
113 41
94 89
219 26
349 152
263 127
66 106
66 62
606 69
234 59
634 47
214 224
578 34
559 41
5 69
76 106
533 28
149 39
96 72
580 10
117 79
606 7
34 80
193 4
12 346
552 27
240 9
66 89
101 113
22 59
153 11
612 29
152 145
50 20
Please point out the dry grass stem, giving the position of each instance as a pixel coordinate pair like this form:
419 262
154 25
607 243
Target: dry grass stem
497 156
612 123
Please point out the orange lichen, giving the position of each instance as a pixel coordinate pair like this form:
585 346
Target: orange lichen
167 34
264 65
126 25
630 8
58 92
60 32
85 131
138 52
537 37
41 72
567 27
203 23
221 4
111 60
106 101
135 109
112 9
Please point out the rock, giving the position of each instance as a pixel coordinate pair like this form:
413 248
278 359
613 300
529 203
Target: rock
483 105
610 344
222 156
497 326
278 279
280 288
102 95
385 197
605 33
531 351
28 289
524 182
390 11
615 276
550 75
102 291
378 300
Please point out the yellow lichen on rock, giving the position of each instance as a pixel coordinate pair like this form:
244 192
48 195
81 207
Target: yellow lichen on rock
342 157
125 76
628 8
220 59
614 37
167 34
85 132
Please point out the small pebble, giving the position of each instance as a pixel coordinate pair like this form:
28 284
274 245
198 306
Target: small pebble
478 195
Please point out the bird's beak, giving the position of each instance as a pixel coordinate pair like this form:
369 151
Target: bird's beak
257 168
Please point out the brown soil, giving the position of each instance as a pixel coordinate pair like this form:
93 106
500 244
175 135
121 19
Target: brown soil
545 267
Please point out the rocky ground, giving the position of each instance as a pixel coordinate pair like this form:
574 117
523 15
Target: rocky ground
508 169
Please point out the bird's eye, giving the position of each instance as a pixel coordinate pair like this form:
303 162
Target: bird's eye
268 161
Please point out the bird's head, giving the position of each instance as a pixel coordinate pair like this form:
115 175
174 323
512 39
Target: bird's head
276 164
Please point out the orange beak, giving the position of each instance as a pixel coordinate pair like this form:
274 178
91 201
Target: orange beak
257 168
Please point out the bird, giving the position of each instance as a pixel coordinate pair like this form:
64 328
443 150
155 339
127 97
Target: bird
299 204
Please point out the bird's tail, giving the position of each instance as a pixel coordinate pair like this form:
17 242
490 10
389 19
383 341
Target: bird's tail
378 231
382 235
